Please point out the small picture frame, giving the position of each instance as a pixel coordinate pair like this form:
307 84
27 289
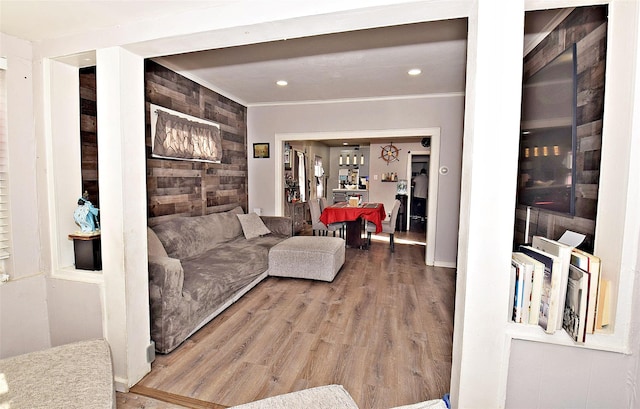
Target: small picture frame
260 150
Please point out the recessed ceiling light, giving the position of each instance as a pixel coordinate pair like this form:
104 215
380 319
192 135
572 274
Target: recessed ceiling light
282 83
415 71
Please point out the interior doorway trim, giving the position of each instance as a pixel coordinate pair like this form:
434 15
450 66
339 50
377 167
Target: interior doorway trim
386 134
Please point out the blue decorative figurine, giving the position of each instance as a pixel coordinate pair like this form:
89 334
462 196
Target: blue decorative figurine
86 215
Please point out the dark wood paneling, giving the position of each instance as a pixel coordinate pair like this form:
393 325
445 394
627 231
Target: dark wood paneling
587 28
88 134
176 187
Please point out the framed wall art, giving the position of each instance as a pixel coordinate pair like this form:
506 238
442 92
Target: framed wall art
260 150
175 135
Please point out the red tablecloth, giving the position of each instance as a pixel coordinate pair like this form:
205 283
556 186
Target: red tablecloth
342 212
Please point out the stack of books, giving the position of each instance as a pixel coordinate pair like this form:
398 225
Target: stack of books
556 286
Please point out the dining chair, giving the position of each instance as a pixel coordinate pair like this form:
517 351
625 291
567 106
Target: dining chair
323 203
317 225
388 226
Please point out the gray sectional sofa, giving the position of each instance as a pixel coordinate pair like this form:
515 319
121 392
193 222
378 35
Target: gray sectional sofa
200 265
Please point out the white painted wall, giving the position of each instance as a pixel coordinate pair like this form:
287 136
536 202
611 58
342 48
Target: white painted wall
35 311
550 376
23 313
24 326
74 310
264 122
22 144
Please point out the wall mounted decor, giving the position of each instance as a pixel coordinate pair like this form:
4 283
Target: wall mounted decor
260 150
179 136
389 153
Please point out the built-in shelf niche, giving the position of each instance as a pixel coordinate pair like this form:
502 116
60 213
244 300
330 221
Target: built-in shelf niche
612 228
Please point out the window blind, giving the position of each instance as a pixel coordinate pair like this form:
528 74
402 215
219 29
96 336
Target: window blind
4 159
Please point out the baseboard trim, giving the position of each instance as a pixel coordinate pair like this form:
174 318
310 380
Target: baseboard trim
172 398
447 264
121 384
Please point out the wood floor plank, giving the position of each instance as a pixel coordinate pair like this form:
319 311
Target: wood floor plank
130 400
287 365
174 399
383 328
247 381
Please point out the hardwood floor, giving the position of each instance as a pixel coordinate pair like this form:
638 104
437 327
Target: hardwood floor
383 329
133 400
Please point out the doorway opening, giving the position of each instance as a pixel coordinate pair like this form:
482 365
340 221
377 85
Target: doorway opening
418 193
373 135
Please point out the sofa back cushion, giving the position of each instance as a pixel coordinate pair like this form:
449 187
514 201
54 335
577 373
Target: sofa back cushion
184 237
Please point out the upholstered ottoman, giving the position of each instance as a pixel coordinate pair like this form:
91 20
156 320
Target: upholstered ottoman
313 257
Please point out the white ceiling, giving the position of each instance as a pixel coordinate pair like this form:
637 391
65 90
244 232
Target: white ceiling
353 65
37 20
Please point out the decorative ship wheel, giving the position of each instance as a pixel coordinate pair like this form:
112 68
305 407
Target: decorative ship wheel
389 153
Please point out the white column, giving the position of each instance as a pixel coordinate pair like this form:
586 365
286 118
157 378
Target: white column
63 141
489 168
121 166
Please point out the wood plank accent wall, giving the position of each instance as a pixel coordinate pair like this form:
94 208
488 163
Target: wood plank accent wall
587 28
88 134
187 188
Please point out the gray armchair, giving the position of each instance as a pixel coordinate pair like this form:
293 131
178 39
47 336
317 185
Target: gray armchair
388 226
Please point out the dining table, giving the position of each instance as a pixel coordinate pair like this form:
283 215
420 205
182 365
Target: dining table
354 217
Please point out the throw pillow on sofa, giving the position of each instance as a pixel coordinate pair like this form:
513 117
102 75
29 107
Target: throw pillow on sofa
252 225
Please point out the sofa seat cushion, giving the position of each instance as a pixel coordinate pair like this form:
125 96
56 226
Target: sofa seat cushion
214 276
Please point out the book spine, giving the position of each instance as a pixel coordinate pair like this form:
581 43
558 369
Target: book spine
518 295
536 294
